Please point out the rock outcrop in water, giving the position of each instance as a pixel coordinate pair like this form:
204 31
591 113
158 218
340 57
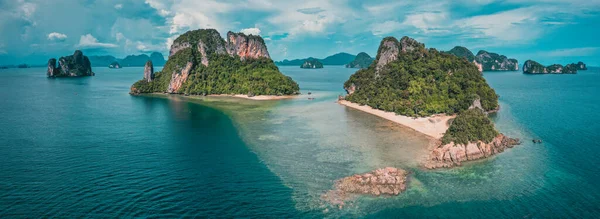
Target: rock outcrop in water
362 60
467 54
75 65
149 71
386 181
494 62
242 66
454 154
311 63
533 67
114 65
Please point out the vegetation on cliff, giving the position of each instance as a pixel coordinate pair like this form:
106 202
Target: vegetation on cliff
336 59
533 67
462 52
362 60
413 81
214 71
495 62
470 126
70 66
311 63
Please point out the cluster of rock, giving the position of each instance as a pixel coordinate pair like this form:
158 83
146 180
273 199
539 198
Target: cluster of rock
533 67
386 181
75 65
486 61
390 48
114 65
451 154
312 63
362 60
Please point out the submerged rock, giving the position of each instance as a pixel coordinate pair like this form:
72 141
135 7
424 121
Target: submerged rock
386 181
451 154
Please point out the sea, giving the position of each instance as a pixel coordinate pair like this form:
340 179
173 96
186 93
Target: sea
85 148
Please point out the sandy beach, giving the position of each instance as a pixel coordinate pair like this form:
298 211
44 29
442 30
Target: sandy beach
434 126
260 97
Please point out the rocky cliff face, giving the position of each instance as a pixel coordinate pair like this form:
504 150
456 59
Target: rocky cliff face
533 67
246 46
178 46
70 66
388 52
149 71
386 181
451 154
494 62
179 77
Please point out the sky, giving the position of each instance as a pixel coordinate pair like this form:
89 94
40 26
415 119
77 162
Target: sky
548 31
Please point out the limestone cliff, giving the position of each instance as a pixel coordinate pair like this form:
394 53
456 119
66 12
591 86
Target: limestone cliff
75 65
243 66
311 63
533 67
149 71
467 54
494 62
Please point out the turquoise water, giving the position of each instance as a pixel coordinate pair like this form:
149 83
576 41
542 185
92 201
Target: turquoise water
84 147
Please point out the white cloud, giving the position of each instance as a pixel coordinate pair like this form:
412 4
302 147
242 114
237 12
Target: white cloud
119 6
89 41
571 52
55 36
427 21
252 30
385 27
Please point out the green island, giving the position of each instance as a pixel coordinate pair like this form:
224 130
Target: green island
533 67
362 60
486 61
311 63
75 65
203 63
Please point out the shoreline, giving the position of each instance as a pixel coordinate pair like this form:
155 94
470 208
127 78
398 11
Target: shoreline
433 126
259 97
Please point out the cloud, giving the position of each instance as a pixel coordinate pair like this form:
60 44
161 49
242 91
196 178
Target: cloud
572 52
385 28
314 10
54 36
89 41
252 30
119 6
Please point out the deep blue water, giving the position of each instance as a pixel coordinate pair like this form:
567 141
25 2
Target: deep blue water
83 147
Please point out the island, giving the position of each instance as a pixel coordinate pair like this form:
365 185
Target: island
533 67
23 66
114 65
436 93
362 60
336 59
311 63
580 66
486 61
129 61
76 65
202 63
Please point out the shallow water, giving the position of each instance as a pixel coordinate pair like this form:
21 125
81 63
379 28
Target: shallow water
75 147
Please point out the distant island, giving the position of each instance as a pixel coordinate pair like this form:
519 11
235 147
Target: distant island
23 66
486 61
75 65
128 61
337 59
435 93
362 60
114 65
311 63
533 67
202 63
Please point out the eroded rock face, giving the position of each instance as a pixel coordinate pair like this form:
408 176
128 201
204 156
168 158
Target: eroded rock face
176 47
408 44
179 77
451 154
149 71
533 67
388 52
51 68
386 181
495 62
350 89
246 46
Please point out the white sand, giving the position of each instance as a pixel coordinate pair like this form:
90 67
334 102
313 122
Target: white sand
434 126
260 97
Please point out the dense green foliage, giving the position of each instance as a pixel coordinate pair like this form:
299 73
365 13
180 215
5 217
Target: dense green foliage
336 59
470 126
224 74
462 52
114 65
73 65
312 63
492 61
533 67
362 60
421 83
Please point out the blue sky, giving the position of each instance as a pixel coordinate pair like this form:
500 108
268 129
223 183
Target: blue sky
550 31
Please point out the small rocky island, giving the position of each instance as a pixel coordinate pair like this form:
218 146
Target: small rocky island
362 60
311 63
533 67
75 65
486 61
114 65
202 63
